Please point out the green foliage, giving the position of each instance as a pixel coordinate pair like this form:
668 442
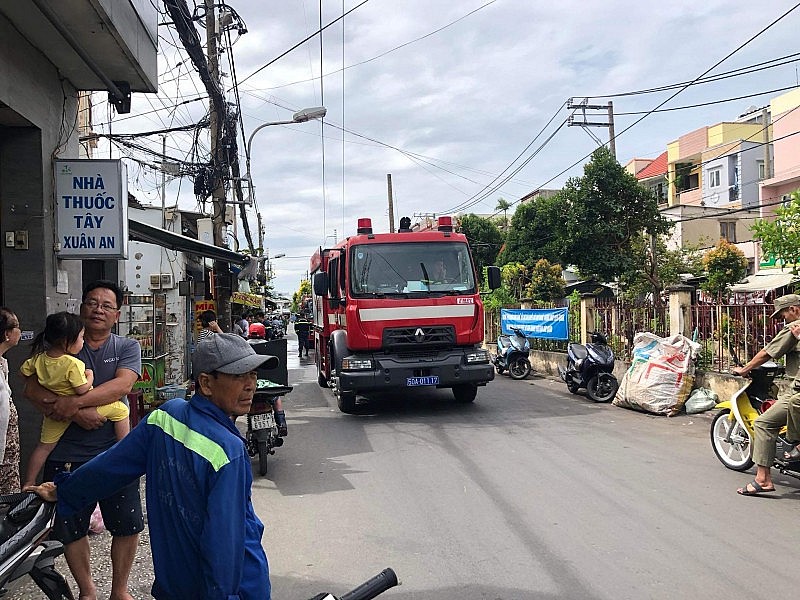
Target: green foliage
653 272
780 238
484 240
516 279
533 233
303 291
725 264
547 283
504 205
606 214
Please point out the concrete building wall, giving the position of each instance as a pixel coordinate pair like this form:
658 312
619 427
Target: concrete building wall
37 116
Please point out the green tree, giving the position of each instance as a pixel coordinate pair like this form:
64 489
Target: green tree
653 272
484 240
303 291
725 264
504 205
516 279
605 214
534 233
780 238
547 283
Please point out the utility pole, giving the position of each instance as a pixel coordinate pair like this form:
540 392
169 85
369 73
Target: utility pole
583 107
222 278
391 202
767 157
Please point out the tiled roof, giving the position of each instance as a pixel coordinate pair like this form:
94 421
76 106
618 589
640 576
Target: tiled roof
655 168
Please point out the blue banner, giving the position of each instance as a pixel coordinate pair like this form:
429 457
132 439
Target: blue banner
548 323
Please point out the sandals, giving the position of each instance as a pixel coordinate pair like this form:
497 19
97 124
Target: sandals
793 454
757 490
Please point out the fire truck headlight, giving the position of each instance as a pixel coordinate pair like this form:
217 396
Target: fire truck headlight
352 363
477 357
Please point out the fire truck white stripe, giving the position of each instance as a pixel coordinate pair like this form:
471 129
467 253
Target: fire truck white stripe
417 312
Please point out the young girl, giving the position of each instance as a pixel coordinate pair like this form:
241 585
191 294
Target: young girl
52 364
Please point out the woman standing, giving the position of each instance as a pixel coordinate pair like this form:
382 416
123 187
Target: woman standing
9 426
208 320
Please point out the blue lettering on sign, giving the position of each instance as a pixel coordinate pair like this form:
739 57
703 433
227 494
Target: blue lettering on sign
99 202
88 183
106 241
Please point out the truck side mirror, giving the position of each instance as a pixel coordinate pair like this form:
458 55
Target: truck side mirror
321 284
493 277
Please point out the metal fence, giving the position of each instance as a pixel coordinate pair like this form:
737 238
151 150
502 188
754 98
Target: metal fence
731 334
727 333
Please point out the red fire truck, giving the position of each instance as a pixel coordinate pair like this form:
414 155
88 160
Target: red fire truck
399 310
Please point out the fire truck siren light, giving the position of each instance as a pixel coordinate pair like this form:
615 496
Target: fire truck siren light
445 224
364 226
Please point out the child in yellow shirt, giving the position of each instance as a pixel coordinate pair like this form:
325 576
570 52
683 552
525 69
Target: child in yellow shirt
52 363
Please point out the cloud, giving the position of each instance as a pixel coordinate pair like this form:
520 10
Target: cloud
462 103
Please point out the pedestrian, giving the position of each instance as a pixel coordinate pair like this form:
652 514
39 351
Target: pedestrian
204 533
209 325
241 327
768 424
54 366
116 362
302 328
9 425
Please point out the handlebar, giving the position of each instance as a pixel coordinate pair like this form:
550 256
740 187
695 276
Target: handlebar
371 588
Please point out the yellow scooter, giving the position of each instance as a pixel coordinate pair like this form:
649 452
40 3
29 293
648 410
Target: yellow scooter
732 427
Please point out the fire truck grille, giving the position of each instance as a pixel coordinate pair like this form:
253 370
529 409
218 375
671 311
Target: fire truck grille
418 338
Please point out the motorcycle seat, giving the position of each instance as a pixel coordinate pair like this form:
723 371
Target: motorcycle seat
579 351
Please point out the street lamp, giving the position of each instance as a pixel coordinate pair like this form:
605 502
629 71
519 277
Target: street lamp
301 116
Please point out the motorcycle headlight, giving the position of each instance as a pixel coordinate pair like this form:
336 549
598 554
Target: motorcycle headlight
353 363
477 357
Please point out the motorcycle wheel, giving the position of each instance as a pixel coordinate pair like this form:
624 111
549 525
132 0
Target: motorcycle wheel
263 453
737 454
602 387
520 368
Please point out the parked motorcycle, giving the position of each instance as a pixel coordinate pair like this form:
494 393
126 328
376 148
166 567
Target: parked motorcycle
732 427
25 523
512 354
262 430
591 367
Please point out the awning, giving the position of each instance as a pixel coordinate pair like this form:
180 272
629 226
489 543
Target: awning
142 232
764 282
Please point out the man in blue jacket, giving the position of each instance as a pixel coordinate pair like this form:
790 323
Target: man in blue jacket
204 534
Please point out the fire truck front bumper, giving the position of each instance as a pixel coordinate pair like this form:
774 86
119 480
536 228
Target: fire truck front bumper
443 369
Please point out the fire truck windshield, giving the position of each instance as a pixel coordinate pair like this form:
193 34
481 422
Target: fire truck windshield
411 268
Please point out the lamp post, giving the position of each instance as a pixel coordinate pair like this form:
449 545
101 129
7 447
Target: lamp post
301 116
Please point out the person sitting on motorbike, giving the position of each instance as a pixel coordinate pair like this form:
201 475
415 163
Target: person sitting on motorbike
259 332
769 423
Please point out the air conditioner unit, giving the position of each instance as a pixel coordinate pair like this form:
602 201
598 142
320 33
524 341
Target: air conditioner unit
167 281
155 281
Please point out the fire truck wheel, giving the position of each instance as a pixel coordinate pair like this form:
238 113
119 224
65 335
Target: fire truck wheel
346 402
465 393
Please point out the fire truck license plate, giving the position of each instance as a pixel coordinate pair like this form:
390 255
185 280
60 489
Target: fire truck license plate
431 380
265 421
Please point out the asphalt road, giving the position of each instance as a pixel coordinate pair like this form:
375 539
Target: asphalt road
529 493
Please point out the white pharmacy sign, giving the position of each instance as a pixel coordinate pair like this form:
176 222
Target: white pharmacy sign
91 208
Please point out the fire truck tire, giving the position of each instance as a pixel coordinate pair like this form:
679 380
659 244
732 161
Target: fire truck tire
465 393
346 402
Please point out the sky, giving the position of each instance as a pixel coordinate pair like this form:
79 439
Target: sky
463 103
